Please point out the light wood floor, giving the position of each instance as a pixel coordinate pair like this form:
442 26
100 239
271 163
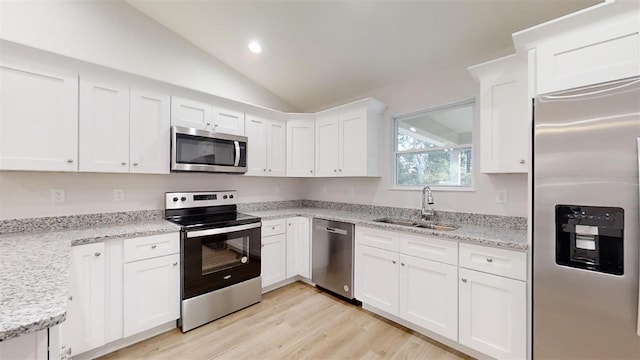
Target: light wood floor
294 322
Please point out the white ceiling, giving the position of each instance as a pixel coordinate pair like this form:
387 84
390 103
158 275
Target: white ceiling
319 53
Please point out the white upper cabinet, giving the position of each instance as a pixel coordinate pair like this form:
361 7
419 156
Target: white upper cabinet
104 125
228 121
596 53
347 139
149 126
190 113
504 115
300 147
266 146
38 118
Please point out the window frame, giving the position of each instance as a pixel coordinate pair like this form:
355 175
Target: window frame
471 145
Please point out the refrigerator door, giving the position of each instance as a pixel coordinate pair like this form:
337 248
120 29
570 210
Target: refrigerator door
585 157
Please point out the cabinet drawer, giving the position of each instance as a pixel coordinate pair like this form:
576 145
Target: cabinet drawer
445 251
151 246
377 238
274 227
502 262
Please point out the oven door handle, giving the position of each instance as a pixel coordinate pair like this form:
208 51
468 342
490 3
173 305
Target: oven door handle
225 230
237 146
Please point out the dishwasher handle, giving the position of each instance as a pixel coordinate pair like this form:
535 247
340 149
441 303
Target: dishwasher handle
332 230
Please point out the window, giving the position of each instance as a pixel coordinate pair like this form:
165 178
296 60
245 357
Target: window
434 147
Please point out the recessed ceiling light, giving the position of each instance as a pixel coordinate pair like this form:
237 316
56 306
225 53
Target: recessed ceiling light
412 129
255 47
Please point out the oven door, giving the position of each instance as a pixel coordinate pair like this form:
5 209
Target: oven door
216 258
199 150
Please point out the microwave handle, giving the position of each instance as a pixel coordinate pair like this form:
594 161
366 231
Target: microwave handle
237 145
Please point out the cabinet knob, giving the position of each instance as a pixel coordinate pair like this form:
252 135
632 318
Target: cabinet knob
208 124
393 261
273 228
70 297
69 351
269 170
521 161
262 245
311 171
123 163
264 169
135 164
340 170
464 280
402 263
175 264
489 260
97 254
153 246
69 160
334 170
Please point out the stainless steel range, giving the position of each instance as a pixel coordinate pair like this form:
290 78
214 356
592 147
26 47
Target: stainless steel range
220 253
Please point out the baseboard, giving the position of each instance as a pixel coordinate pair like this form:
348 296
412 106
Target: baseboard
123 343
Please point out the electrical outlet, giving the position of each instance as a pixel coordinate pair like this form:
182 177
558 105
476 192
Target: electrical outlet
501 196
57 196
118 194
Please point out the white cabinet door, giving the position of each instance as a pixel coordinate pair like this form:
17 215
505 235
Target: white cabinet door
298 247
256 132
274 259
327 146
191 113
353 144
276 148
377 274
492 313
32 346
149 126
151 293
300 148
104 126
429 295
598 53
38 119
84 328
228 121
504 115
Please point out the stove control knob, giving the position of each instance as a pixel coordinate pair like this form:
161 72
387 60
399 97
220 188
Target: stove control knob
230 196
224 197
183 199
175 199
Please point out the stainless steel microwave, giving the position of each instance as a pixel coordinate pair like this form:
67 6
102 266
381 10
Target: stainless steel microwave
206 151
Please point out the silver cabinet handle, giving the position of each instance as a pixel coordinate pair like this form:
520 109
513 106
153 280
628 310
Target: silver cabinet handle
153 246
135 164
97 254
123 163
521 161
489 260
393 261
69 160
175 264
464 280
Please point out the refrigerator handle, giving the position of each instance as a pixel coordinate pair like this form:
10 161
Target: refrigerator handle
638 143
596 89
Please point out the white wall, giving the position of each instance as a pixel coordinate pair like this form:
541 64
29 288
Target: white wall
114 34
28 194
439 87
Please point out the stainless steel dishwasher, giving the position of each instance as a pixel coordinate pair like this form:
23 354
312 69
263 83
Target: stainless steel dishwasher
333 255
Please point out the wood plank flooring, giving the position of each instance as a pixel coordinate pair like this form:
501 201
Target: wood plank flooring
294 322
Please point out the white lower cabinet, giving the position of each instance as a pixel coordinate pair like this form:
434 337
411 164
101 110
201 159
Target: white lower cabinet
493 317
417 279
428 295
151 293
84 328
31 346
274 259
298 247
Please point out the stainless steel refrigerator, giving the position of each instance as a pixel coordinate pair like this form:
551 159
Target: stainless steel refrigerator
585 222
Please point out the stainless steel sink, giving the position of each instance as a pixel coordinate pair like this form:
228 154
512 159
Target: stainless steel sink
416 223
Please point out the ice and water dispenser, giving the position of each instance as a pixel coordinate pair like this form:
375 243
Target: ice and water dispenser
590 237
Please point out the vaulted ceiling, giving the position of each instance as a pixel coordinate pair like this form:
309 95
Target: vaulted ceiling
317 53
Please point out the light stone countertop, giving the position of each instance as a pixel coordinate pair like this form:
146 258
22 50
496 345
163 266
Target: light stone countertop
503 237
34 272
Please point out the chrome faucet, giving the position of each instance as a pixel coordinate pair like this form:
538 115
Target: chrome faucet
429 213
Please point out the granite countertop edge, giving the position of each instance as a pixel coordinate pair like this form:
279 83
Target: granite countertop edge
24 310
489 236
